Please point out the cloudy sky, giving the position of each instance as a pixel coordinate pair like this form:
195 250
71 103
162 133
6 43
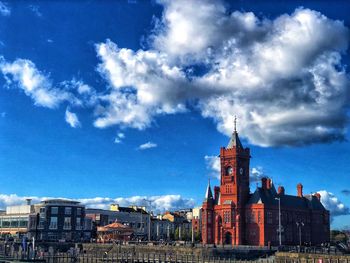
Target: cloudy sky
120 101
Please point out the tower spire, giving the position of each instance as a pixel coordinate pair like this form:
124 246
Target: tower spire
208 193
235 141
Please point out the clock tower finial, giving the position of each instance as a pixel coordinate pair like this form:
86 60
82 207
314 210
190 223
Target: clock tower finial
235 124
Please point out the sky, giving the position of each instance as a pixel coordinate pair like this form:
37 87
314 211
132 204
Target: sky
122 101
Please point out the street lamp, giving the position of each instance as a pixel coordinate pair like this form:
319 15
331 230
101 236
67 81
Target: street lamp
300 224
279 221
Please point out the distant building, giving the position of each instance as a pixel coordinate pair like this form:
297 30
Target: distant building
162 229
14 221
137 218
182 225
55 219
197 220
235 216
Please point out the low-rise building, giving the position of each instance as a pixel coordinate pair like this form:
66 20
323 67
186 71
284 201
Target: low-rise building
137 218
53 219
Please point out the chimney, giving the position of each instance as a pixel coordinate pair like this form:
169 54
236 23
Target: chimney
216 192
318 196
264 183
281 190
29 201
300 190
269 183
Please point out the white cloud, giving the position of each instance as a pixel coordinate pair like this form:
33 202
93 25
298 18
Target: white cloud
119 138
158 203
333 204
143 86
5 10
34 83
147 145
283 78
72 119
256 174
213 165
35 9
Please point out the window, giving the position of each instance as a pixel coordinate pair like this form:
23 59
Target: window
41 223
79 211
42 210
226 217
52 236
78 223
209 234
209 217
269 217
259 217
54 210
53 222
67 210
23 223
67 223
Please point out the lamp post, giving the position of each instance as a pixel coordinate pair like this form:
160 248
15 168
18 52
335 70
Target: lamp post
299 225
279 221
192 232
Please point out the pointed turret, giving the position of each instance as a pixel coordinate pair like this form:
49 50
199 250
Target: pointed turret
235 141
208 193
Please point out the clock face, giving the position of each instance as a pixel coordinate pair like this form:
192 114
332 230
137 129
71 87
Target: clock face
241 170
229 170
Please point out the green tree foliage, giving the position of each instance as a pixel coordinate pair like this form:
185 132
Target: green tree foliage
338 236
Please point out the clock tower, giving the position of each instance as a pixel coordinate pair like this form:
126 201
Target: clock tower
234 161
234 190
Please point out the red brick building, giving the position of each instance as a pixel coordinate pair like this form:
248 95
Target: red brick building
235 216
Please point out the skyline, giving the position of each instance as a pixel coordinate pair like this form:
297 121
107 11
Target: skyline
134 99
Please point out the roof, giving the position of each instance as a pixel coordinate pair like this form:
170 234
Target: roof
208 193
115 227
268 197
234 141
60 201
111 212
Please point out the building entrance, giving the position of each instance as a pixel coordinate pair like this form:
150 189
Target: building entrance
228 238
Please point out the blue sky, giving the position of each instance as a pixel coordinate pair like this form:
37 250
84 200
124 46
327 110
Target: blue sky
85 84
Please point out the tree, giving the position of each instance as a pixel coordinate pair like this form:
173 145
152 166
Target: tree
338 236
177 232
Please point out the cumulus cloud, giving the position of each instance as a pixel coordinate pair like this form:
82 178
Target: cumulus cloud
144 85
333 204
24 75
119 138
5 10
256 174
157 204
147 145
72 119
213 165
283 78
